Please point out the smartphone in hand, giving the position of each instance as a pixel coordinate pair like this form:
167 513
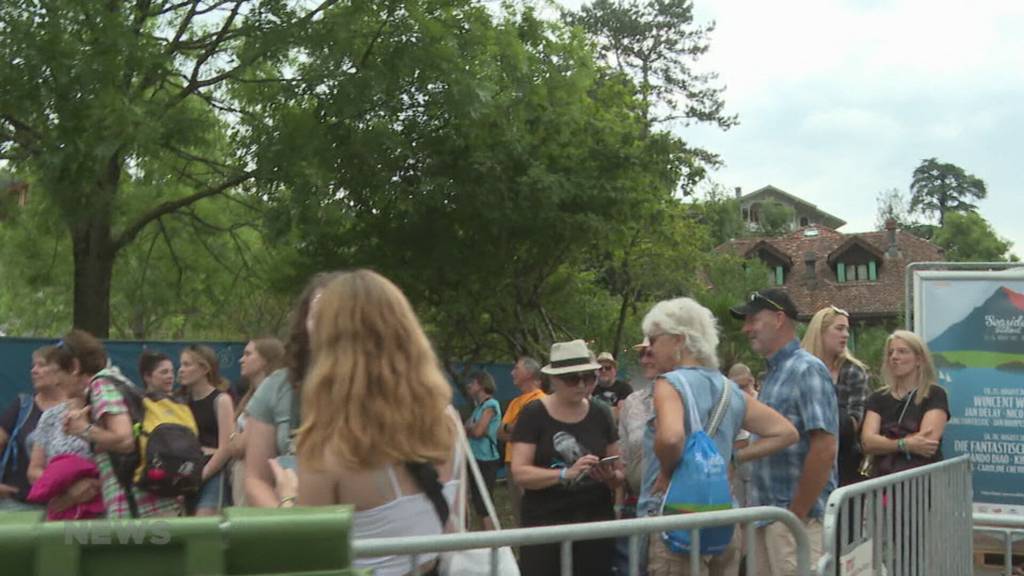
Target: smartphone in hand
287 461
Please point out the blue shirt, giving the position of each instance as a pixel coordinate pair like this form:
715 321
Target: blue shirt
485 448
705 388
798 386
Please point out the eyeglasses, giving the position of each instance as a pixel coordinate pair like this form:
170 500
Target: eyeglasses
606 368
757 295
575 378
840 311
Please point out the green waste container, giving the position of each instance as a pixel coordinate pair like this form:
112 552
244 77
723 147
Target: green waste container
244 542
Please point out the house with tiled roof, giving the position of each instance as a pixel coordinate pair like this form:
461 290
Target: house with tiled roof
804 213
862 273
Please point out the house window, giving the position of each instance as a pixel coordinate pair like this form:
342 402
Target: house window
804 221
857 272
746 214
776 276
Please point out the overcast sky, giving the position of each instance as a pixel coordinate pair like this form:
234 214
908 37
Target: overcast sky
839 100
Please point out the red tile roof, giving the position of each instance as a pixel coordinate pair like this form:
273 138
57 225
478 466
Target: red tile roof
863 299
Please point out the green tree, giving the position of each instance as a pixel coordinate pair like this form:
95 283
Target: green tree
495 154
660 258
202 272
892 204
941 188
720 214
655 44
729 280
967 237
109 108
776 219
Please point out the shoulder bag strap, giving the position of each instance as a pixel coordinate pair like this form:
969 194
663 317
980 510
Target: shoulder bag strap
910 398
718 414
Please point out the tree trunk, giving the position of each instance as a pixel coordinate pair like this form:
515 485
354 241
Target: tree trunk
621 324
94 268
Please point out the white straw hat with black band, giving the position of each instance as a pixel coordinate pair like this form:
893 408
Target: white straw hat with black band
569 357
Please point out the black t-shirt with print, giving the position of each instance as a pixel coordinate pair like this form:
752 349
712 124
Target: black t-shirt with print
559 445
17 474
888 408
613 394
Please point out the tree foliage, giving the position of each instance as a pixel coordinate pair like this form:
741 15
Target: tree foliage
940 188
655 45
518 185
967 237
775 219
892 204
123 113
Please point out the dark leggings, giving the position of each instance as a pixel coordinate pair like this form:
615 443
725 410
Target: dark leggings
489 470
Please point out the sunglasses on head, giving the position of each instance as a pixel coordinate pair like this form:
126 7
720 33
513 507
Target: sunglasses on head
576 377
840 311
757 295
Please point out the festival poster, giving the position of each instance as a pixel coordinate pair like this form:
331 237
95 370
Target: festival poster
974 324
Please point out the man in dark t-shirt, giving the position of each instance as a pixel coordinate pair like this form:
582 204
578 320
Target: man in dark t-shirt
608 389
14 484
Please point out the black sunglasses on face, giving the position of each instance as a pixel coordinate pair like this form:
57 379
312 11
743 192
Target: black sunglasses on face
577 377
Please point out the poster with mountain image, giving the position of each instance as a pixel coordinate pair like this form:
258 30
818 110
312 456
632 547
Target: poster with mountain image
974 325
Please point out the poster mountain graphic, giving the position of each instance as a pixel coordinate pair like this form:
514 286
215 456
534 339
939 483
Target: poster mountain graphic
1003 304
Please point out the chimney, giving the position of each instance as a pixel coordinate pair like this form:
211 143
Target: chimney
739 191
810 279
893 249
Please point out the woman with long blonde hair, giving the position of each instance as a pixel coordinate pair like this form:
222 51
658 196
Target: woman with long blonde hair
377 431
826 337
206 393
905 419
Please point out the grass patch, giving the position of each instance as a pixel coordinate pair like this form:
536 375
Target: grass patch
979 358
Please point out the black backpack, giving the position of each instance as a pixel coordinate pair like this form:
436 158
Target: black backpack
167 460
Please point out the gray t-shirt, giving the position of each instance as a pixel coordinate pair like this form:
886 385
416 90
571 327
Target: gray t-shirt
49 434
272 404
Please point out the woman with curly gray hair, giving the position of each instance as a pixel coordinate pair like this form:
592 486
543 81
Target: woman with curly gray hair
683 338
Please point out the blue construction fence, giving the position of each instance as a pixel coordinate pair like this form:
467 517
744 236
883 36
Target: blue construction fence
16 363
16 359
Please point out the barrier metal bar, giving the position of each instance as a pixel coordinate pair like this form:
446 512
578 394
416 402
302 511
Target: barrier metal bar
1009 527
566 534
913 522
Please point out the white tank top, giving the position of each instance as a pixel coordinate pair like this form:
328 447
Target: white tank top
406 515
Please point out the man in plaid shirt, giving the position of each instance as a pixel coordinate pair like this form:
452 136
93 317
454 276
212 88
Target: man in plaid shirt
798 386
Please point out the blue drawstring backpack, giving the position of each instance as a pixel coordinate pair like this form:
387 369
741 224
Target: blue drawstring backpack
700 482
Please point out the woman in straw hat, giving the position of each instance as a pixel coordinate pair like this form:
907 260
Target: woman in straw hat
564 456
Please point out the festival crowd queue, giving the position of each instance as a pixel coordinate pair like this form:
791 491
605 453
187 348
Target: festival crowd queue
353 408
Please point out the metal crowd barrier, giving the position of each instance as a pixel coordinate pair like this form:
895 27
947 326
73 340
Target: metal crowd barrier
916 522
566 534
1011 528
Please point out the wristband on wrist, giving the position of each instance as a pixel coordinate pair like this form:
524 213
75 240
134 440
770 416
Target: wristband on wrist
562 478
286 500
901 445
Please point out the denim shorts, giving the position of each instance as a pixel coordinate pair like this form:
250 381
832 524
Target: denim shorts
211 495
